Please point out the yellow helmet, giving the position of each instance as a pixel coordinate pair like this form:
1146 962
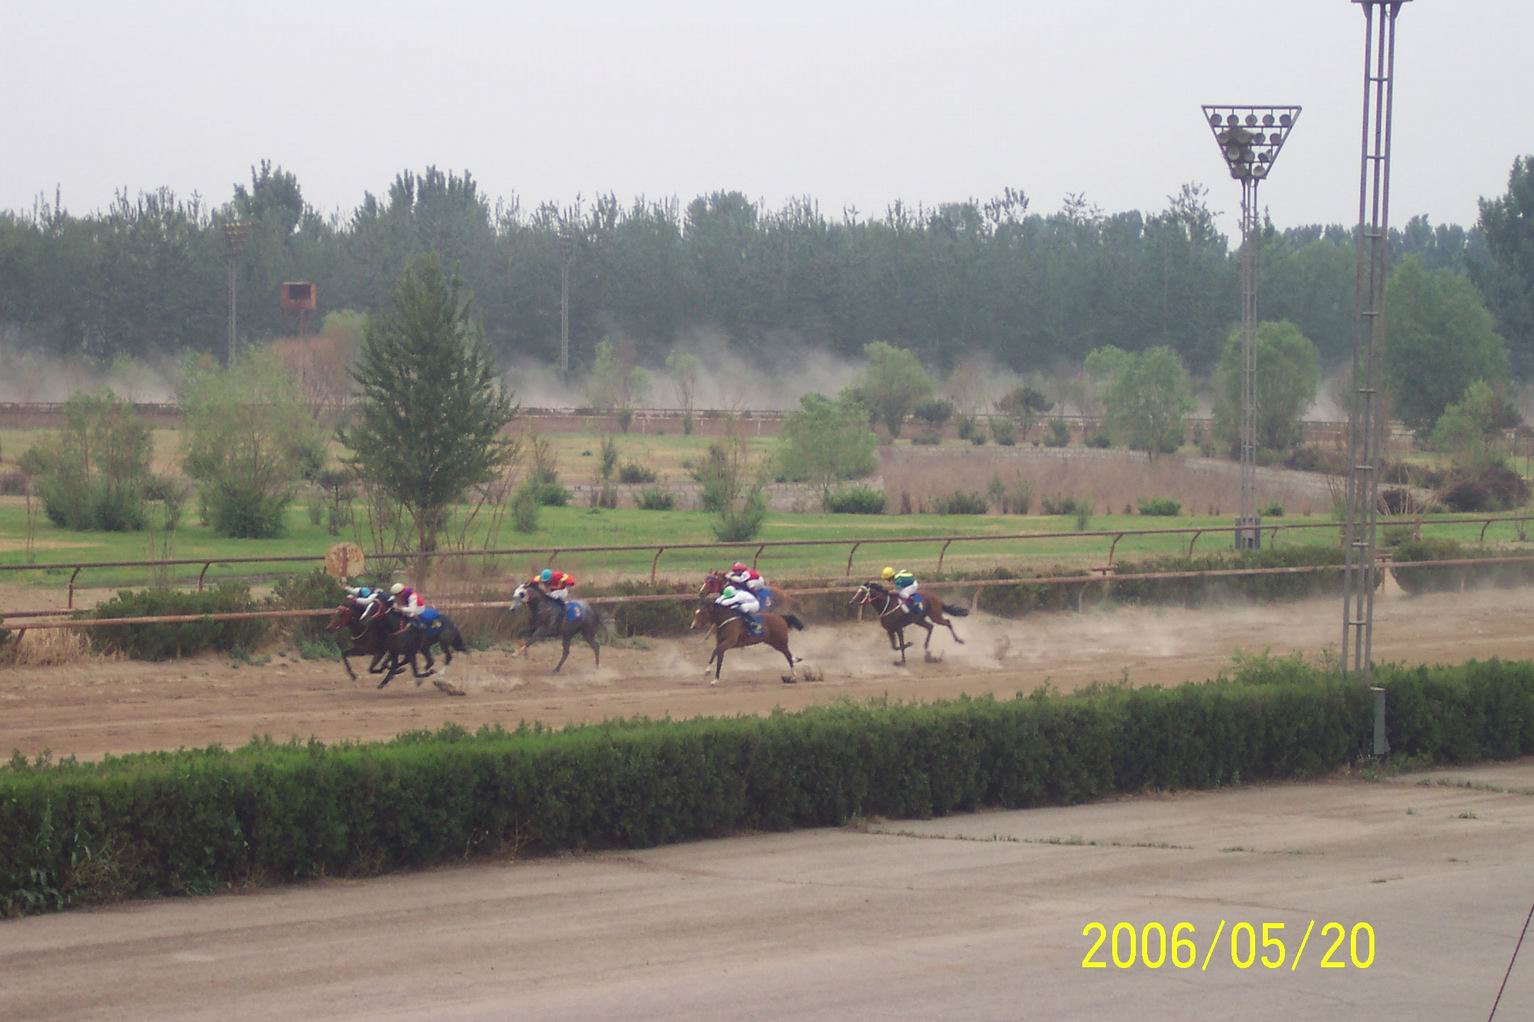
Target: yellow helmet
888 573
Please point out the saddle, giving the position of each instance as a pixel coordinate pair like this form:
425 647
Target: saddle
575 611
429 621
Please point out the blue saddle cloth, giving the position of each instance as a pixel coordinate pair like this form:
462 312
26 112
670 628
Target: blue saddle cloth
430 620
766 596
753 623
918 603
575 610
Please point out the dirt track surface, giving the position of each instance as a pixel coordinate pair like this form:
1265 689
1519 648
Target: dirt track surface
122 706
970 917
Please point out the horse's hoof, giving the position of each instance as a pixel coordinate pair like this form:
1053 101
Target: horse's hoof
712 682
898 663
933 659
789 679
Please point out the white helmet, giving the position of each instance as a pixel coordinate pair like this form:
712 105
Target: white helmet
396 588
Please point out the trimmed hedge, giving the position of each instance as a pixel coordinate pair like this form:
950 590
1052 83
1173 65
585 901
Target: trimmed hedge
193 822
1453 578
168 641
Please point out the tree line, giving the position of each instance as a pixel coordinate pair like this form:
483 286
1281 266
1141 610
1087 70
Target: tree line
1029 289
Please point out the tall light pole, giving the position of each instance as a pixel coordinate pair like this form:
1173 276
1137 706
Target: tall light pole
1366 426
566 253
1250 138
236 233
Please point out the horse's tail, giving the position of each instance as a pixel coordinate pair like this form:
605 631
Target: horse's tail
794 622
457 639
955 610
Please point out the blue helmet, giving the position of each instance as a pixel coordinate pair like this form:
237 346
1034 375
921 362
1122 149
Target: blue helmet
364 592
545 575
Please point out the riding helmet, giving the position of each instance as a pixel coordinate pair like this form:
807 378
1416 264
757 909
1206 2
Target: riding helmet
887 573
396 588
737 566
729 591
545 575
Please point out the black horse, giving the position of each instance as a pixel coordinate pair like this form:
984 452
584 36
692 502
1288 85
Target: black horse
405 639
549 619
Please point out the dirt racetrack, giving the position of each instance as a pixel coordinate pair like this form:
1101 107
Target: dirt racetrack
115 706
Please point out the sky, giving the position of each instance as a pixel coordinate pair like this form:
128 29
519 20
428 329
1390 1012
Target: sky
854 104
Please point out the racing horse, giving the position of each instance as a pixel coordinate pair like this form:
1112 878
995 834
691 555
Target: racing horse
551 617
388 635
730 632
366 634
771 599
895 616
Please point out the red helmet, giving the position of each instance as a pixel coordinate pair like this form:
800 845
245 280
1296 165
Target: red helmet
737 566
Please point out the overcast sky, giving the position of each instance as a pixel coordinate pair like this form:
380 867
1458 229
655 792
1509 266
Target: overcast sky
851 103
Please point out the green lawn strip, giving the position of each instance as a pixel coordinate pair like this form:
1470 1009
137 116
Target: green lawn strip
198 821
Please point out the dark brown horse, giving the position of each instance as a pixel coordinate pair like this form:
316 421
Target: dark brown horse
387 636
730 632
895 616
367 637
778 601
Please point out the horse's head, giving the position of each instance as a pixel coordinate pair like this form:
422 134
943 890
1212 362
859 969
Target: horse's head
865 594
345 614
519 597
704 613
713 584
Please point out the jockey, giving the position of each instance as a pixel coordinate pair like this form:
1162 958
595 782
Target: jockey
555 584
742 602
406 600
905 586
366 599
741 576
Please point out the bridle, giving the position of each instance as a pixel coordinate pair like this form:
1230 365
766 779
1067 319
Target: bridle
865 596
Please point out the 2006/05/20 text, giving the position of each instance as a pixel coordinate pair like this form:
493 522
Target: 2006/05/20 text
1154 945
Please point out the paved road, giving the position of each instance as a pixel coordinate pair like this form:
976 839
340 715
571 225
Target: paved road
972 917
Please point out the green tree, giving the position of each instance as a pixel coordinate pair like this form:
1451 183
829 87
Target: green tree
618 383
827 441
1440 340
1507 277
431 406
684 368
1024 404
892 383
92 473
1148 396
1470 429
1288 373
247 440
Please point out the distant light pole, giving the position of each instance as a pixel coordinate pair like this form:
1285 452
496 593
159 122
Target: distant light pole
1366 426
566 253
236 234
1250 138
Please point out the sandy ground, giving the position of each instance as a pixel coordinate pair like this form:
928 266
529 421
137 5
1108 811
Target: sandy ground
121 706
969 917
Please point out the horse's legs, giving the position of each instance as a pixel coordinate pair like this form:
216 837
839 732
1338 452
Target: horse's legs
718 663
955 634
373 665
566 654
902 645
590 635
928 627
347 663
395 666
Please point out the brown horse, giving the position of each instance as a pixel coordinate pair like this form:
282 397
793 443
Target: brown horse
367 637
730 632
777 601
895 616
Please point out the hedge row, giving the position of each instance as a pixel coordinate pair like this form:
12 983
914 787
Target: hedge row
1453 578
193 822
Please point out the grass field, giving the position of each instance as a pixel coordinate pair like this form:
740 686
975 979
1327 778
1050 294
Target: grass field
576 527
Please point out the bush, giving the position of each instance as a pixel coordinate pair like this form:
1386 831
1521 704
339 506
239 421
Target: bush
1497 488
245 512
656 498
961 502
168 641
1059 434
742 519
92 502
525 506
306 592
1273 510
633 472
1161 507
968 426
92 473
855 500
1063 505
934 411
928 438
1099 441
1003 430
196 821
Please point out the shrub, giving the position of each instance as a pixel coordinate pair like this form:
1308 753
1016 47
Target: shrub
1273 510
961 502
742 519
855 500
927 438
1003 430
245 512
167 641
1063 505
656 498
196 821
525 506
1099 441
1059 434
92 473
304 592
633 472
967 425
1161 507
934 411
1496 488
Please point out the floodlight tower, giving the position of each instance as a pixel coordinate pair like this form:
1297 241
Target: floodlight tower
1250 138
236 234
1366 424
566 253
